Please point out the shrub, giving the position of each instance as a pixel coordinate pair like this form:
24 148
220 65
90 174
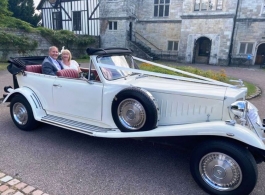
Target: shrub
11 22
65 38
21 43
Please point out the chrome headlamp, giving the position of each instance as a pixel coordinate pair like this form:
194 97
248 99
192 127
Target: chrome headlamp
239 108
245 113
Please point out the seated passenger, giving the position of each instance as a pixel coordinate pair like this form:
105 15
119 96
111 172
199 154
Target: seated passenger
67 61
50 64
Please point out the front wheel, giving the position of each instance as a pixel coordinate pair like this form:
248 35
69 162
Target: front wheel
21 113
223 168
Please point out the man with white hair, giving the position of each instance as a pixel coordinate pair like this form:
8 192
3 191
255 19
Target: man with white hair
50 64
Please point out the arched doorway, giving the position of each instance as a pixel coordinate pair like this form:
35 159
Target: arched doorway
260 57
202 50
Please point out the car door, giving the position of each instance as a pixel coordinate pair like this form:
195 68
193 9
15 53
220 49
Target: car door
77 98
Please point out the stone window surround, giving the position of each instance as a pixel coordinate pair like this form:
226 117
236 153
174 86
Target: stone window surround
157 7
173 45
246 47
112 25
216 5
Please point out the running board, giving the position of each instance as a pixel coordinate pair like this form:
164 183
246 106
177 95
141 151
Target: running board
73 125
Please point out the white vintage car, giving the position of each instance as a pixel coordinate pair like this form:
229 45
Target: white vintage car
113 98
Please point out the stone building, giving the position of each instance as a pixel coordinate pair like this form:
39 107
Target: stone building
192 31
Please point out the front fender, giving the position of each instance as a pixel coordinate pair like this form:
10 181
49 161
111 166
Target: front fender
218 128
31 97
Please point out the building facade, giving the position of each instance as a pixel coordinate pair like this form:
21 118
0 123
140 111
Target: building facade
79 16
193 31
199 31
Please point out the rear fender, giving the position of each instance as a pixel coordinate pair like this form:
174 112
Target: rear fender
31 97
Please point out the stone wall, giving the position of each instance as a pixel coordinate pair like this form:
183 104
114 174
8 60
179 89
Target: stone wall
159 33
115 11
217 30
114 38
41 50
186 26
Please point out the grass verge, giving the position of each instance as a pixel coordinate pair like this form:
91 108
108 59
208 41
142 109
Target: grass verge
82 60
251 88
3 65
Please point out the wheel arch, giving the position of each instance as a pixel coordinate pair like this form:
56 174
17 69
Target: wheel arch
32 99
257 153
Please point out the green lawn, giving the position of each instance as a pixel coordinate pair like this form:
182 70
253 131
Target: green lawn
82 60
3 65
251 88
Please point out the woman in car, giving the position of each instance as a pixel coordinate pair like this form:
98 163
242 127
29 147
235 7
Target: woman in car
67 61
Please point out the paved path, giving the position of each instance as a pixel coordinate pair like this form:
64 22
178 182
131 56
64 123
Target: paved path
51 159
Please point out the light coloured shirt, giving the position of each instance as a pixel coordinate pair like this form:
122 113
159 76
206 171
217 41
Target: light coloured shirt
73 65
56 63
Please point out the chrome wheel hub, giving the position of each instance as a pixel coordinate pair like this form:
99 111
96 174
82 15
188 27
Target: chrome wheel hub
220 171
131 114
20 113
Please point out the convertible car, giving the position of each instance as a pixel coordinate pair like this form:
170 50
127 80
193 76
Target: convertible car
114 98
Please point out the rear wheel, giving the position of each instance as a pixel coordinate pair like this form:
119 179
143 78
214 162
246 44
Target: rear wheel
21 113
224 168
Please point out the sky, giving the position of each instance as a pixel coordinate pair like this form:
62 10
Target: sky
36 2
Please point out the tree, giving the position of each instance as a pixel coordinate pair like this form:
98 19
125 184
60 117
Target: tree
24 10
4 8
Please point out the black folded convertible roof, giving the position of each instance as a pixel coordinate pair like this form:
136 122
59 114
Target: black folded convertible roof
108 51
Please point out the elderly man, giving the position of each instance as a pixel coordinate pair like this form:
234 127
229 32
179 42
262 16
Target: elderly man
50 64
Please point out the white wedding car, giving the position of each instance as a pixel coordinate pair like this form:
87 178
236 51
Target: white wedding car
113 98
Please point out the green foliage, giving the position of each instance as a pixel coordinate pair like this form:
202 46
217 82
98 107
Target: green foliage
84 57
4 8
3 66
219 76
65 38
21 43
11 22
24 10
251 88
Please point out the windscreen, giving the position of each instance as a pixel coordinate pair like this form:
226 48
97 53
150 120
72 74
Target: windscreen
124 61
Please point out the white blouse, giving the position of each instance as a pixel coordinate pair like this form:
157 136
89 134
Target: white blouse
73 65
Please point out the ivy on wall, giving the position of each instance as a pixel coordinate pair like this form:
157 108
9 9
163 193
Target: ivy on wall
25 44
22 44
66 38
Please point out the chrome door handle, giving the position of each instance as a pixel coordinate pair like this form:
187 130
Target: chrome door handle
57 85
